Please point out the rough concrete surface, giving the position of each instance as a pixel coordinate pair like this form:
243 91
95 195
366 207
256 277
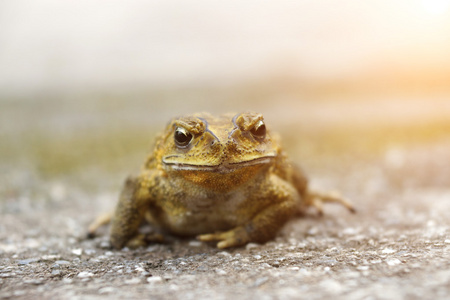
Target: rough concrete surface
397 246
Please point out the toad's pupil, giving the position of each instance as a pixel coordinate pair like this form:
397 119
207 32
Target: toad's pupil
259 131
182 137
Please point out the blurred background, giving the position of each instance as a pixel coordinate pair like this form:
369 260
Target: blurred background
71 47
86 84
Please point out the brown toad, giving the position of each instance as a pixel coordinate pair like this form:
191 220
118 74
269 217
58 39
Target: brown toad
222 179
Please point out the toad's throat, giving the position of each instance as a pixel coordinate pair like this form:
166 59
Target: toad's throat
223 167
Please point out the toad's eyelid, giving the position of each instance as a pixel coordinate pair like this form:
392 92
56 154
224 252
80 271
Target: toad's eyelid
259 123
181 128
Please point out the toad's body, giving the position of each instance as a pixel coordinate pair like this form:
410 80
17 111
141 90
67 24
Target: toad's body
223 179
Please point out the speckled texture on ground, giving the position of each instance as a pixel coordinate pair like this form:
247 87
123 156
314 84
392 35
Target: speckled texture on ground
396 247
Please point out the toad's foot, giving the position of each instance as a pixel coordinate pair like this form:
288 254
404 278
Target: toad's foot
144 239
317 199
101 220
232 238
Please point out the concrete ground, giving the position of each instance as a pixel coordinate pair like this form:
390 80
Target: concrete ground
64 162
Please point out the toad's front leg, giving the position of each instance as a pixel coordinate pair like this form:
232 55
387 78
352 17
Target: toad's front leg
129 214
281 202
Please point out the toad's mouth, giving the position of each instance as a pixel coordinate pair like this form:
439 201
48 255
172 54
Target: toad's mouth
223 167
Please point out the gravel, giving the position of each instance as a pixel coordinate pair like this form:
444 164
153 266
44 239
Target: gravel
397 246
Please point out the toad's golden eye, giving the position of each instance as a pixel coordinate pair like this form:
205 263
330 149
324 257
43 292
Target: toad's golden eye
182 137
259 130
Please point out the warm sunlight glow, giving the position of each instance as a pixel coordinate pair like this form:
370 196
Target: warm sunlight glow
436 7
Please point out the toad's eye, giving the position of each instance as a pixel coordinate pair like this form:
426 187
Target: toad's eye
259 130
182 137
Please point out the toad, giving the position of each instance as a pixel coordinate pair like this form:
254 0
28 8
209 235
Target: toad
223 179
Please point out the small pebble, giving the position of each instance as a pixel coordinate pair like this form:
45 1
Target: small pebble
251 246
62 262
301 245
350 231
221 272
85 274
34 281
133 281
90 251
195 243
50 257
105 245
76 260
152 248
393 262
275 264
154 279
260 281
77 251
26 261
376 261
265 265
313 231
388 251
106 290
